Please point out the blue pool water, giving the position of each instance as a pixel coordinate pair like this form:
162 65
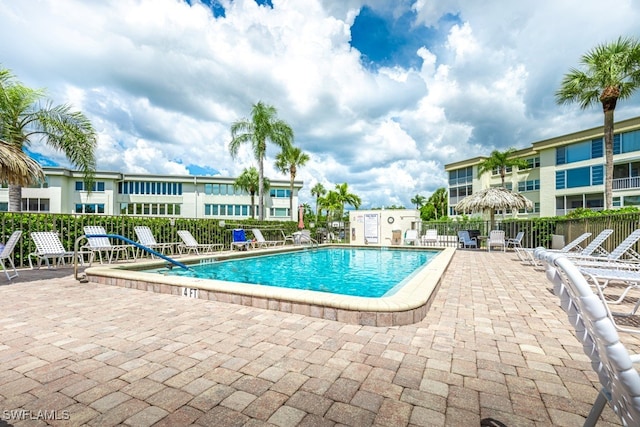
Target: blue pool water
347 271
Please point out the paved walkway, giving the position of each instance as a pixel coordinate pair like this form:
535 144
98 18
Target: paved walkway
495 345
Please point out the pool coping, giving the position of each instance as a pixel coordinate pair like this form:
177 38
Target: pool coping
407 306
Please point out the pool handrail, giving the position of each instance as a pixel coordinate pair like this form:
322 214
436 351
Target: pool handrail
129 241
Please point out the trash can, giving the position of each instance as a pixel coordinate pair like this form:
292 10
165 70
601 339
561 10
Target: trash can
396 237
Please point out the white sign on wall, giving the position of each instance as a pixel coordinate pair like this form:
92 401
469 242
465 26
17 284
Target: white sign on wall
371 228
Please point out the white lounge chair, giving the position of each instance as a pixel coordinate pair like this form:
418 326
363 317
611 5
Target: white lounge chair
515 242
496 238
526 254
261 242
190 244
411 237
100 245
624 251
6 255
596 331
145 238
49 247
430 237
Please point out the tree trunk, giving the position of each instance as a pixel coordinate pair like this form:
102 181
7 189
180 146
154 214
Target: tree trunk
608 157
261 190
253 204
609 99
15 198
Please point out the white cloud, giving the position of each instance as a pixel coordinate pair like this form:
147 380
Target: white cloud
162 82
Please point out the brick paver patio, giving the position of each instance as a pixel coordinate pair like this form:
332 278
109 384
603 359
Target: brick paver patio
494 345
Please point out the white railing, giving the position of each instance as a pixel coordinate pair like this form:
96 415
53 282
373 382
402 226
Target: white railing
624 183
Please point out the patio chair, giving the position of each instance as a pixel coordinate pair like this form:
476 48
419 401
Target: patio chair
240 241
261 242
190 244
465 240
596 331
515 242
49 247
145 238
624 251
7 254
526 254
100 245
496 238
430 237
411 237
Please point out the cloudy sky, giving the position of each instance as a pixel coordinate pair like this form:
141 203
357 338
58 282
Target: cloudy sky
381 94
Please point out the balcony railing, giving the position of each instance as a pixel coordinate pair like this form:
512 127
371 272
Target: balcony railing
626 183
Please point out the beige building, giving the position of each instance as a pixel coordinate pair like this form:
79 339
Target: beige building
186 196
564 173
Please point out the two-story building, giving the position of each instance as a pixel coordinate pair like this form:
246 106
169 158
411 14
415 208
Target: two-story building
115 193
563 173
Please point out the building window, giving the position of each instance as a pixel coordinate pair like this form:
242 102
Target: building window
531 185
226 210
35 205
279 212
150 209
627 142
4 206
97 186
580 177
461 176
580 151
41 184
533 162
151 187
90 208
279 193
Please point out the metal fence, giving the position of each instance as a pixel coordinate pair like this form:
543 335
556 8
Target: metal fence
70 228
541 231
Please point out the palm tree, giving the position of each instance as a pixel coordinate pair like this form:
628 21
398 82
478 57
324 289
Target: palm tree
24 118
611 72
331 203
264 126
288 161
418 200
318 190
249 181
346 198
501 160
17 167
439 201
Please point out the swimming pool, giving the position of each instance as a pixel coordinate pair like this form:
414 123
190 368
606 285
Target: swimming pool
405 305
364 272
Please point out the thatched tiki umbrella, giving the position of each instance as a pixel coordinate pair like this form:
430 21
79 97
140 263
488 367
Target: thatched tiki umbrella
491 199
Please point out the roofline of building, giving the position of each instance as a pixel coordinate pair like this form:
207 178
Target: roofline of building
119 176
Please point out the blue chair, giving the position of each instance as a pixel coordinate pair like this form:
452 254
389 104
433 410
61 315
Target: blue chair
240 240
465 240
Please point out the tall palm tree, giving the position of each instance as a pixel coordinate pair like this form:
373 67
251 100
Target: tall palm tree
318 190
25 116
249 181
288 161
611 72
418 200
501 160
262 127
346 198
